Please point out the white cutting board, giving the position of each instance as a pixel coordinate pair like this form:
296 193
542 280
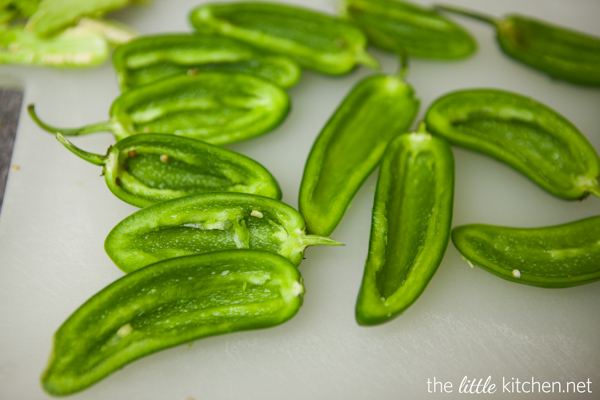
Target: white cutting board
58 211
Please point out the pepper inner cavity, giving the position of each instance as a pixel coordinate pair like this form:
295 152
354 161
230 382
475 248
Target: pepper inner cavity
228 232
147 74
286 26
546 257
526 140
224 294
409 212
175 174
202 122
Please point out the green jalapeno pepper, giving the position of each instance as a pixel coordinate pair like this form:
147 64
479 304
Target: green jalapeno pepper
146 169
410 231
350 147
209 222
421 32
315 40
559 52
170 303
523 133
557 256
74 47
217 107
150 58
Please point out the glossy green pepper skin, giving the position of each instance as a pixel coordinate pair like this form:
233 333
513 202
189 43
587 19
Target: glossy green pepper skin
350 147
209 222
217 107
562 53
557 256
167 304
418 31
410 231
150 58
523 133
147 169
315 40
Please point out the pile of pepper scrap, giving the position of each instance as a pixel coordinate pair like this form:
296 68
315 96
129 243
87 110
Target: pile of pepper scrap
59 33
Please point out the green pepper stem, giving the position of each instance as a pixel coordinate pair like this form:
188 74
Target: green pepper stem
403 69
461 11
84 130
90 157
312 240
396 48
595 189
364 58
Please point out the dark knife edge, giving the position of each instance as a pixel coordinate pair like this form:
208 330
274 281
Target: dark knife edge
10 108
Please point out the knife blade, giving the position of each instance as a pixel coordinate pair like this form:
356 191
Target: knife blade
10 108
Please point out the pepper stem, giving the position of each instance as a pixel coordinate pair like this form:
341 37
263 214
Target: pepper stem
595 189
84 130
96 159
396 47
364 58
461 11
403 69
312 240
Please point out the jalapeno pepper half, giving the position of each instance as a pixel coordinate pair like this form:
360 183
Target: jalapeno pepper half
552 257
209 222
419 31
146 169
559 52
350 147
169 303
523 133
217 107
410 229
151 58
316 41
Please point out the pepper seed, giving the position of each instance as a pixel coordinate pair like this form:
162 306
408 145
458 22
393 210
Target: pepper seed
256 214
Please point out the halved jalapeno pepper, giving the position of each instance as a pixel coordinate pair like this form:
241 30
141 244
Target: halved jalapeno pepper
216 107
169 303
147 169
350 147
410 230
209 222
315 40
523 133
151 58
557 256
